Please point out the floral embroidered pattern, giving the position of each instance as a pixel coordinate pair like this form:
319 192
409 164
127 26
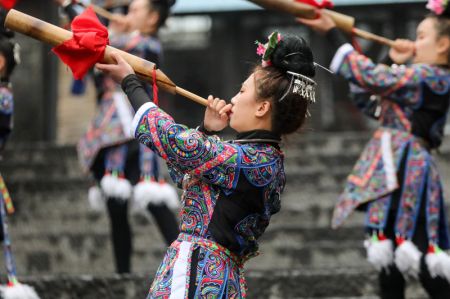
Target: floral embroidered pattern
400 84
206 167
415 179
6 101
377 213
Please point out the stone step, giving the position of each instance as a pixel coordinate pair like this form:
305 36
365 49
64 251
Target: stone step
90 252
66 205
79 250
316 254
296 284
70 208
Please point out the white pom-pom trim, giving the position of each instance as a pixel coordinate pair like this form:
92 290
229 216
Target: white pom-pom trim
380 253
169 195
18 291
117 187
446 268
96 199
407 259
147 192
144 193
438 264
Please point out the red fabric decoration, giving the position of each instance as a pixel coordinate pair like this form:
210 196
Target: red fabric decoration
155 88
355 42
324 4
399 240
8 4
87 46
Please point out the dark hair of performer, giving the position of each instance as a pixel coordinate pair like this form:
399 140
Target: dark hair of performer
271 82
146 16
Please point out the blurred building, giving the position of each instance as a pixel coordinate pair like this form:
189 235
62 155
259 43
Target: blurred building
209 49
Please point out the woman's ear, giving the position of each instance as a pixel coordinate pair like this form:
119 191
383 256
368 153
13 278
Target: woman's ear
263 108
443 46
153 20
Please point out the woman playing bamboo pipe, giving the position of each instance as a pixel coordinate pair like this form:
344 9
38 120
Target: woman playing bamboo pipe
396 179
231 189
107 149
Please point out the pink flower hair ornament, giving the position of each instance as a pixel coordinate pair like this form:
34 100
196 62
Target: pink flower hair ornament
266 50
437 6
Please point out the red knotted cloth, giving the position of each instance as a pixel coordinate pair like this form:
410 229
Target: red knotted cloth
324 4
86 47
8 4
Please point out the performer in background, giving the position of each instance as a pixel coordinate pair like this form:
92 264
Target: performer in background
231 189
396 180
108 150
9 59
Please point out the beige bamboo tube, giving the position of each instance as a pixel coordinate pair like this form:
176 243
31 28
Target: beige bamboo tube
103 12
373 37
344 22
54 35
115 3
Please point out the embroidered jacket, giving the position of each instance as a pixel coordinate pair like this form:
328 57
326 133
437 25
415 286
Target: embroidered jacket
231 190
415 100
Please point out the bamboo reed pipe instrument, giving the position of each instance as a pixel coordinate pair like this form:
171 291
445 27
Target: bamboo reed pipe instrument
343 22
54 35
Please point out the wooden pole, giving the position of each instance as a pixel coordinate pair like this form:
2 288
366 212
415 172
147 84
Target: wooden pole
54 35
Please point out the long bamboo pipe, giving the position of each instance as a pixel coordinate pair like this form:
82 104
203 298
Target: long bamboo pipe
115 3
343 22
54 35
103 12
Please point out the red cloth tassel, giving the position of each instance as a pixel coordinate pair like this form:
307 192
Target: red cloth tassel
381 237
324 4
87 46
355 43
8 4
155 88
399 240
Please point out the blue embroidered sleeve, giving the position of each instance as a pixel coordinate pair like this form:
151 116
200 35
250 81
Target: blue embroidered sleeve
6 101
188 150
401 84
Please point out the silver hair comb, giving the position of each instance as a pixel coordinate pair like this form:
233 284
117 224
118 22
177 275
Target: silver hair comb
301 85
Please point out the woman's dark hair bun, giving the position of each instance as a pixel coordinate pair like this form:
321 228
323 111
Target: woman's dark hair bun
168 3
446 12
293 54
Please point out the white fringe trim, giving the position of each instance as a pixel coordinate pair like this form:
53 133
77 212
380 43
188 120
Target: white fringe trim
446 268
96 199
18 291
170 196
116 187
380 253
144 193
407 259
438 265
155 193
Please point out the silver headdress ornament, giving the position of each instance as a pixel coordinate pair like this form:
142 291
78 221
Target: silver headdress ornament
301 85
304 86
